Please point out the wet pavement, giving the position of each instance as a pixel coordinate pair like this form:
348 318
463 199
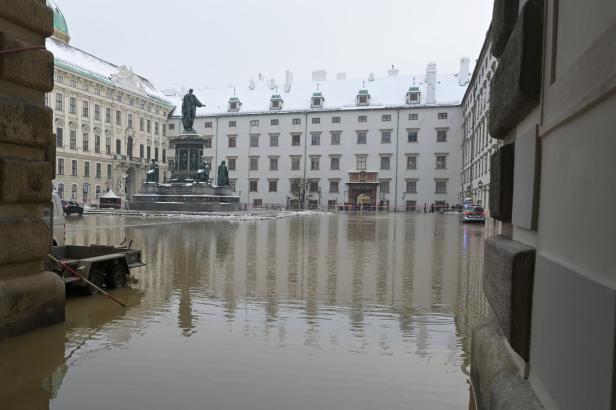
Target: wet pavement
304 312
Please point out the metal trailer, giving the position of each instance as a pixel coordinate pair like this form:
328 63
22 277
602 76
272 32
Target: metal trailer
106 266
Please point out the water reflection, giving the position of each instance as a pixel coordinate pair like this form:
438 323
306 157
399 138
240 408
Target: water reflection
221 304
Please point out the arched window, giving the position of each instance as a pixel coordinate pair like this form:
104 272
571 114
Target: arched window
74 191
98 191
86 190
61 190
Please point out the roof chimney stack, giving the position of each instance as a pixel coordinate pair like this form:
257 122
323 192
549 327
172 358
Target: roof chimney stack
288 78
393 71
431 83
464 74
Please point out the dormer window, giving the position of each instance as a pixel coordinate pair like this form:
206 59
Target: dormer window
363 97
234 104
275 102
317 100
413 96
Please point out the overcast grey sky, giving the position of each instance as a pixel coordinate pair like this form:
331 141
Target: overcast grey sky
194 43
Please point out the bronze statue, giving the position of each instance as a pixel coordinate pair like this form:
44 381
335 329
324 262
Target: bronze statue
203 174
189 110
223 175
152 174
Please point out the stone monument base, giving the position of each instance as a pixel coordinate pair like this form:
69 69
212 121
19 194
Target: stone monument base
189 197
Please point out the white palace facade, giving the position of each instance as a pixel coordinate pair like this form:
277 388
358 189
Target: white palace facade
109 122
392 141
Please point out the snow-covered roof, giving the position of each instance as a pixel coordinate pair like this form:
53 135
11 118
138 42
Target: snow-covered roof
87 64
389 91
109 194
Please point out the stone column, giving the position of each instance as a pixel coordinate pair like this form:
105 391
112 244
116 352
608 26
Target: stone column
29 296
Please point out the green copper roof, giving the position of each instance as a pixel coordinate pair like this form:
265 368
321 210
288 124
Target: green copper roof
276 97
59 22
317 95
232 99
364 92
413 89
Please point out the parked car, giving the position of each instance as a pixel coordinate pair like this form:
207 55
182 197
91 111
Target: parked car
72 207
472 213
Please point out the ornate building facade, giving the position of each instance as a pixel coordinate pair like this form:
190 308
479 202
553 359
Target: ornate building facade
109 122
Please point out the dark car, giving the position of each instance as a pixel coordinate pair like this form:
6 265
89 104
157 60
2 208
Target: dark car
72 207
472 213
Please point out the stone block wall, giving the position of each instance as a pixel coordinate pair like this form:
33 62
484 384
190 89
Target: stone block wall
29 297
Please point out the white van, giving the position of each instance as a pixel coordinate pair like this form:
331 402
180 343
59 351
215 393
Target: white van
54 218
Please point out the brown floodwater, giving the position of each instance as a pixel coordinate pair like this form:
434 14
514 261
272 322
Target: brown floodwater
303 312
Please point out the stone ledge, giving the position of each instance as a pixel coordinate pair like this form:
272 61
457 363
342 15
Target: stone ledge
24 181
22 123
33 14
31 68
30 302
495 378
23 239
508 285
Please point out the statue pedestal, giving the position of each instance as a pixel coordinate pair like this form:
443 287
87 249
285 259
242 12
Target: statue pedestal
182 196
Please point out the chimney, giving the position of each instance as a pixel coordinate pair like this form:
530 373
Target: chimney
341 76
431 83
288 78
371 77
464 74
319 75
251 85
392 72
271 83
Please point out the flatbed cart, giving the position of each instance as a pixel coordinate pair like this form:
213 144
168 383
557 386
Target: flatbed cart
102 265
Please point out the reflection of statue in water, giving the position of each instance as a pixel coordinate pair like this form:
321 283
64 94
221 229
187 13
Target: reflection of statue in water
203 174
152 174
189 110
222 175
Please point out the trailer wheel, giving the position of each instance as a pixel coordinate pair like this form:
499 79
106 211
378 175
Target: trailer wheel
96 277
117 277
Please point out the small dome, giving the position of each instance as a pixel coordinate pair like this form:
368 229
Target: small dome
60 27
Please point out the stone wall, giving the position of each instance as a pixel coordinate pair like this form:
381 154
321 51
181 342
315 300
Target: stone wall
29 297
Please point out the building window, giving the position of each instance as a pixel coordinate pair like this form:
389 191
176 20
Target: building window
148 151
411 206
130 120
98 191
232 124
335 138
86 141
232 141
254 123
441 186
441 135
59 102
316 138
164 130
385 162
98 170
314 163
384 186
411 186
142 124
295 139
61 190
386 117
273 140
254 185
273 185
411 162
441 116
156 153
208 124
361 137
118 118
362 118
108 145
254 140
363 99
385 137
412 136
313 186
164 155
72 105
97 144
231 164
73 139
118 147
85 109
107 114
316 120
86 169
336 120
254 163
74 191
295 163
334 187
59 79
148 124
273 163
60 166
334 163
413 116
274 122
362 162
141 150
441 162
74 168
297 121
97 112
207 142
108 171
